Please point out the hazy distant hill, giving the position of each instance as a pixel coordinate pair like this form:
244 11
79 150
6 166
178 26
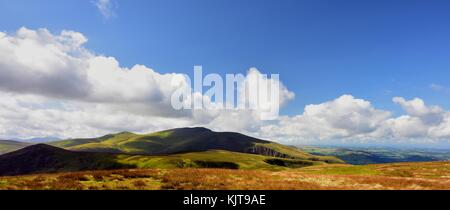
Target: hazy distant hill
38 140
9 146
363 156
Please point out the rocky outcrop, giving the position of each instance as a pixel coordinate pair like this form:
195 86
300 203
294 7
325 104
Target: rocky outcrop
261 150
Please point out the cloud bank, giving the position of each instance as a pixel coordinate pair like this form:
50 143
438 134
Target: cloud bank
51 85
54 82
349 118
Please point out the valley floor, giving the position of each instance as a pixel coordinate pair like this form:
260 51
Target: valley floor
401 176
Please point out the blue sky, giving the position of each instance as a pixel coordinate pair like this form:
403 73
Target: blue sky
370 50
322 49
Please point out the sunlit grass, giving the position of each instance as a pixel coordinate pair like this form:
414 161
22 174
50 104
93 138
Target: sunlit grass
421 176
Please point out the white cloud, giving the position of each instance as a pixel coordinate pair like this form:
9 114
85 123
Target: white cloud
51 85
33 116
347 119
405 127
38 62
417 108
106 8
66 83
422 121
58 66
344 117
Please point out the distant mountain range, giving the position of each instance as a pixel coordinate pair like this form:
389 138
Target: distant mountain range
38 140
376 155
176 148
16 144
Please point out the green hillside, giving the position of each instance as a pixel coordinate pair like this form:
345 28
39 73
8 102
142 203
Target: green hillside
170 149
187 140
214 159
9 146
43 158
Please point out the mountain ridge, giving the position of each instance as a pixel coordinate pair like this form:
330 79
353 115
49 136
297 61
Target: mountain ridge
185 140
175 148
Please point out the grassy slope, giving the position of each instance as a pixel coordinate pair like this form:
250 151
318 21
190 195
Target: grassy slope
199 159
9 146
182 141
404 176
439 170
44 159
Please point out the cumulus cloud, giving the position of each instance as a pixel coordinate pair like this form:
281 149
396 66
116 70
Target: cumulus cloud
77 88
58 66
51 85
349 119
421 120
417 108
38 62
258 92
24 116
344 117
106 8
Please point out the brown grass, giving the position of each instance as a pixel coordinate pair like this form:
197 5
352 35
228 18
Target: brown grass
405 176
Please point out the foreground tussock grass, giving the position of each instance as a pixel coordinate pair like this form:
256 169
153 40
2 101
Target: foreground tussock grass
403 176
